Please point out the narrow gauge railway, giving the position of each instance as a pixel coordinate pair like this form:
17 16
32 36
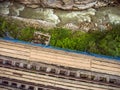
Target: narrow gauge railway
48 81
59 72
19 84
55 69
59 57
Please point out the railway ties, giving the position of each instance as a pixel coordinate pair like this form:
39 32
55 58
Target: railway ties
25 85
58 71
53 70
47 55
29 67
51 81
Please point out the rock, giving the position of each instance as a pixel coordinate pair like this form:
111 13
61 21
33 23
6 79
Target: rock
16 8
34 23
100 4
40 13
28 1
71 26
10 8
88 19
33 6
67 4
86 4
4 4
85 26
4 11
107 15
115 19
50 16
4 8
76 16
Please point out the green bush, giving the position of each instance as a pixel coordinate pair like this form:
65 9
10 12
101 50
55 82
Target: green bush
2 27
26 34
14 31
105 42
110 44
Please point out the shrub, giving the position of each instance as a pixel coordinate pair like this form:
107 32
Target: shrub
26 34
105 42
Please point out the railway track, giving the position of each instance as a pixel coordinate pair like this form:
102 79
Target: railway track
49 69
71 76
59 57
13 84
8 66
51 81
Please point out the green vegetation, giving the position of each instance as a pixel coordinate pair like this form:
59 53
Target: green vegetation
105 42
13 30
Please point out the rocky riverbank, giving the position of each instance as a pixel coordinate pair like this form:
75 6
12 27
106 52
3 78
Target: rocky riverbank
85 20
66 4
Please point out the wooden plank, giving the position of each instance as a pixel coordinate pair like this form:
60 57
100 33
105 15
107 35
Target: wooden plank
37 51
60 63
105 64
59 57
106 68
14 51
14 47
12 44
105 71
14 55
41 79
112 61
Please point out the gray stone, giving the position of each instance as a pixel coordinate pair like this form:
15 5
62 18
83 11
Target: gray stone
42 14
68 4
4 11
71 26
35 23
114 18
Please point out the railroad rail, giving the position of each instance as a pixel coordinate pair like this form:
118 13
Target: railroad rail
58 69
59 72
48 81
59 57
